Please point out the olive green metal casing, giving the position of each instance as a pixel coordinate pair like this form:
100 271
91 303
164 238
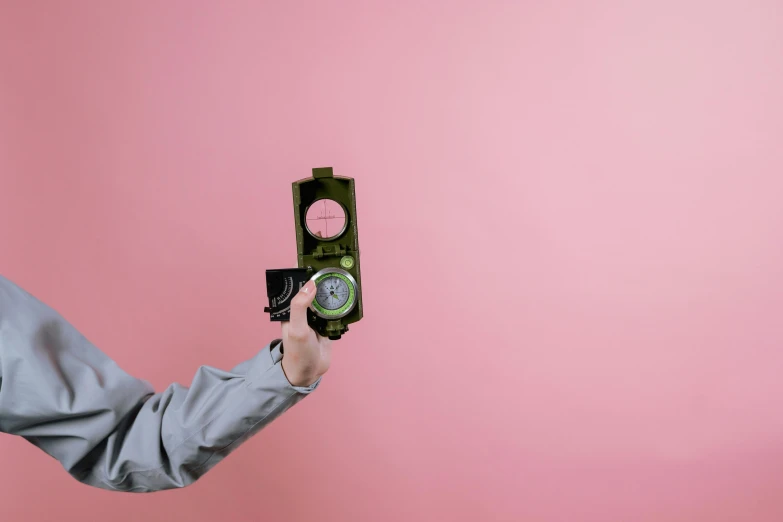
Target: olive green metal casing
319 253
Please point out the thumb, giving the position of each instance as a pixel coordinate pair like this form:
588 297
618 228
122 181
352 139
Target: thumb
299 305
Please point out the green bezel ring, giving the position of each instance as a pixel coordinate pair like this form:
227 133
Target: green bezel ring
349 303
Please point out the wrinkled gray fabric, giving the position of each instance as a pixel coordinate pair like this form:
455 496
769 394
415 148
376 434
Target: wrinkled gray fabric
111 430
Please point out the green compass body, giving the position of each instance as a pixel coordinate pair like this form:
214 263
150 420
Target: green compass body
327 244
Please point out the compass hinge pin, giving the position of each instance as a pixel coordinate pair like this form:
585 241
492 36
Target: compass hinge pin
321 251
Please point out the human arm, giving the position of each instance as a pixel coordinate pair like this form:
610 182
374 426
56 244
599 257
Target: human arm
111 430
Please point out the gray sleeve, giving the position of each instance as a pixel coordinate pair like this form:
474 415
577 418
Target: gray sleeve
111 430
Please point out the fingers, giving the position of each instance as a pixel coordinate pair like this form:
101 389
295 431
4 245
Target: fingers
299 305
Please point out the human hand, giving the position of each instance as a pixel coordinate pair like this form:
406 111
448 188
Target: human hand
306 354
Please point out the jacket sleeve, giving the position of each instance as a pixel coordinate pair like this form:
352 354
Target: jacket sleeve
111 430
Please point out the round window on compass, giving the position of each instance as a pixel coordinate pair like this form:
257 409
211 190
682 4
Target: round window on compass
326 219
335 294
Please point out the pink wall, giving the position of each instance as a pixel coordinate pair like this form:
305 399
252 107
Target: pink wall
583 201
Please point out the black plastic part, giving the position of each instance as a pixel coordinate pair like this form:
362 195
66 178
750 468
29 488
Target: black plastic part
274 283
281 286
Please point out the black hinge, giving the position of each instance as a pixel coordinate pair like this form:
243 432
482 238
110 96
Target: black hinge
336 250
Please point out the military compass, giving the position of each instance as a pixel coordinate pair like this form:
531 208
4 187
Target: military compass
327 241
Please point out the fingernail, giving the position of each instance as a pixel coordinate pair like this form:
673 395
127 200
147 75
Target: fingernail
307 287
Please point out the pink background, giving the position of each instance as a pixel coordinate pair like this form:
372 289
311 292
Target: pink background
583 200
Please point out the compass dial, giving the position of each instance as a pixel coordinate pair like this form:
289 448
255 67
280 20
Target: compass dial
332 293
335 296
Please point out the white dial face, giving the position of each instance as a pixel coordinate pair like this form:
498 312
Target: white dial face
332 293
